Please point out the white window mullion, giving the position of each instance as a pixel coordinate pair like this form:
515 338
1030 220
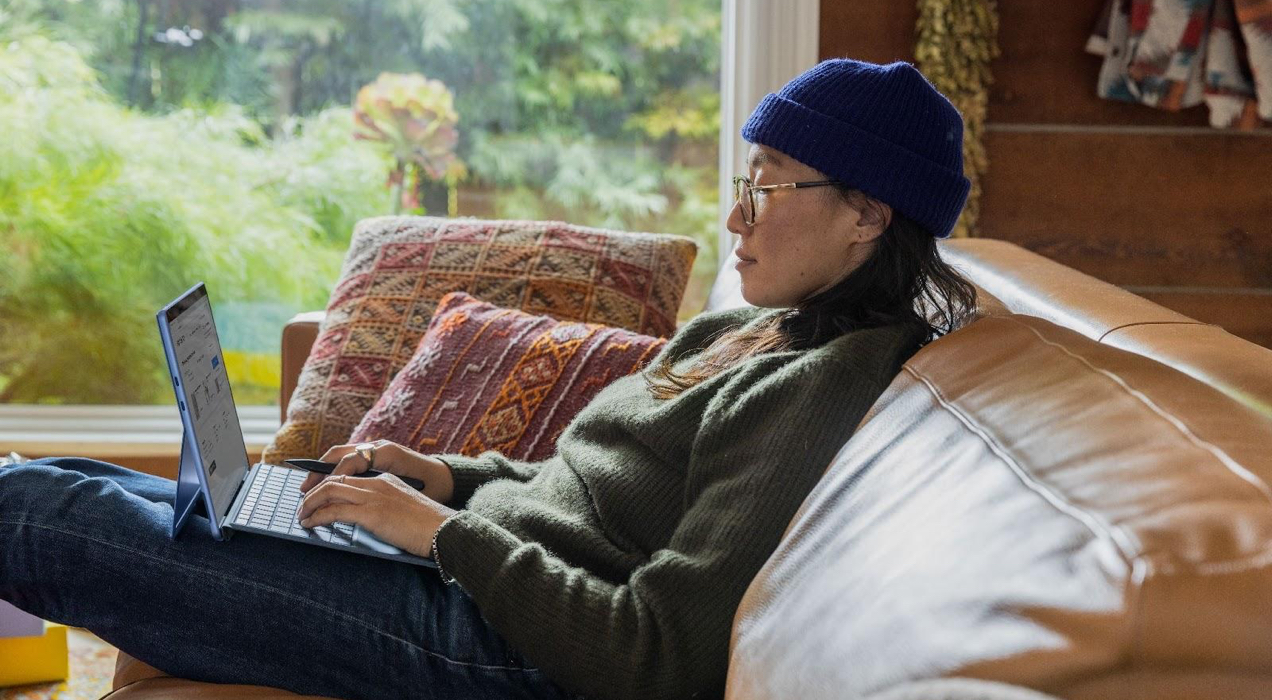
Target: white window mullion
765 43
114 431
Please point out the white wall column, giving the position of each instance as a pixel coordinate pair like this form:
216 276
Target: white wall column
765 43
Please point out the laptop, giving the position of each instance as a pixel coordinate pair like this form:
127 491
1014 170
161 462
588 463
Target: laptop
215 476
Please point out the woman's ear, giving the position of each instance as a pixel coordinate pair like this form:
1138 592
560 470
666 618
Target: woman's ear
873 218
886 215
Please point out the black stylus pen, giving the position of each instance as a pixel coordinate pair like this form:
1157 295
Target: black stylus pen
321 467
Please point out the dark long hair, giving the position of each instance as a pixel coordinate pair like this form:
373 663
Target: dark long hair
904 281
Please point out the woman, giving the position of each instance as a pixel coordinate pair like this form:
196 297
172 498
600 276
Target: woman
614 568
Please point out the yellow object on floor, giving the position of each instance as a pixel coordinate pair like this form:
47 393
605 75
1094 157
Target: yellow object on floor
34 659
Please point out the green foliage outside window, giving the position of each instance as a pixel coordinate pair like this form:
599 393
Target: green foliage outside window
151 143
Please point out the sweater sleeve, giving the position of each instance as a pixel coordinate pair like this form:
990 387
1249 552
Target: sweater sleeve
469 473
766 438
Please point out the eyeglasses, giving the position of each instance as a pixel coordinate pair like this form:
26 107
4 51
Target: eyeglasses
742 185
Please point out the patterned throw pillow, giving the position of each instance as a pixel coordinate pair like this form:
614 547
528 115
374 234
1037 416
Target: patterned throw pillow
399 267
489 378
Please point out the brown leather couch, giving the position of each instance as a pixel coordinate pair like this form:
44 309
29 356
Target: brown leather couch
1069 494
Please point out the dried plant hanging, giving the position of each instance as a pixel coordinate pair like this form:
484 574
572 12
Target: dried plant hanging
956 41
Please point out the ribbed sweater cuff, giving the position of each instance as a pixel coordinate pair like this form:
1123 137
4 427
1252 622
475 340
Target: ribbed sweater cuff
468 474
471 549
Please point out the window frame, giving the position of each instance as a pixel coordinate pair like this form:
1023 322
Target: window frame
763 44
114 432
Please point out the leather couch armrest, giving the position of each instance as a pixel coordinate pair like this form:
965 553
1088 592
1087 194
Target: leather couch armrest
129 670
298 337
135 680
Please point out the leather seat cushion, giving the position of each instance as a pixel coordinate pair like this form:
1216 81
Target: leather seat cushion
135 680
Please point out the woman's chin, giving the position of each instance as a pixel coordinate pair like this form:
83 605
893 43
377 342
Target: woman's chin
754 295
757 294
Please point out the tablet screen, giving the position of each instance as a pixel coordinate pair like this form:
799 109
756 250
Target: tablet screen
205 389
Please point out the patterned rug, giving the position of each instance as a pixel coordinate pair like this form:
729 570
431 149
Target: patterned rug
92 663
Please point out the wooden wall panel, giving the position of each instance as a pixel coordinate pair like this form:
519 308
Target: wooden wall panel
1045 76
1143 198
879 32
1136 209
1244 313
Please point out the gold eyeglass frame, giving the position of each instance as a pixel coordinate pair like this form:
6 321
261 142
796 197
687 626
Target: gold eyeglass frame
740 181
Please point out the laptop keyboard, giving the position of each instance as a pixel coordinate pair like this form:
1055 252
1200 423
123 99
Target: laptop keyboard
273 501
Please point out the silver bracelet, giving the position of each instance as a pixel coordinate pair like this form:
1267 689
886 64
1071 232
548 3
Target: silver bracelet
445 578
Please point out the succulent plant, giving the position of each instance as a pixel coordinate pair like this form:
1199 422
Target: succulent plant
414 118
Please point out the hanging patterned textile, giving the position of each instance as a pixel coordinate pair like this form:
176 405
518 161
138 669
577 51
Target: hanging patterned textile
1174 54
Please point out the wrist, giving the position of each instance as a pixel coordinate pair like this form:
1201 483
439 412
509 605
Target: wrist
443 477
446 578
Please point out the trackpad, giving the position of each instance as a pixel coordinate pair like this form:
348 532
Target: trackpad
370 541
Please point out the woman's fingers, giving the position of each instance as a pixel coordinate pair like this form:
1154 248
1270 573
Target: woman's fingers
335 453
331 513
350 464
392 458
330 491
311 480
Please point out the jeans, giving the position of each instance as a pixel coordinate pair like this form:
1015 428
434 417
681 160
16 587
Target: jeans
89 544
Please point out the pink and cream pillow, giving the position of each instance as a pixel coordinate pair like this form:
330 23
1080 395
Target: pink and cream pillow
489 378
399 267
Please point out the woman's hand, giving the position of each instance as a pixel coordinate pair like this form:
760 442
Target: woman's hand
393 458
384 505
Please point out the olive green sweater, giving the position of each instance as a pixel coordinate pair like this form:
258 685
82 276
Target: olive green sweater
616 565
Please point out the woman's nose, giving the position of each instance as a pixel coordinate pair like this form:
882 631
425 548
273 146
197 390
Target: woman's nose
734 223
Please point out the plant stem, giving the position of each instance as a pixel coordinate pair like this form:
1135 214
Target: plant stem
399 177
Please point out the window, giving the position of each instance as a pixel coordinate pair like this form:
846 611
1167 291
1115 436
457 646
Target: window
151 144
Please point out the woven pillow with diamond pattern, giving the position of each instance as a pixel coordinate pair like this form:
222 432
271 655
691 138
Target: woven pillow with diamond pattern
399 267
489 378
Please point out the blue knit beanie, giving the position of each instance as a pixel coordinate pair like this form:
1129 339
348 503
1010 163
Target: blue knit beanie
885 130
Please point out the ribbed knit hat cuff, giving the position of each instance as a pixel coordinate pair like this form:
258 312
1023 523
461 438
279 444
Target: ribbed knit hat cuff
876 166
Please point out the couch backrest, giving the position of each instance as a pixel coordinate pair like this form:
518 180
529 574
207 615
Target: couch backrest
1070 493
